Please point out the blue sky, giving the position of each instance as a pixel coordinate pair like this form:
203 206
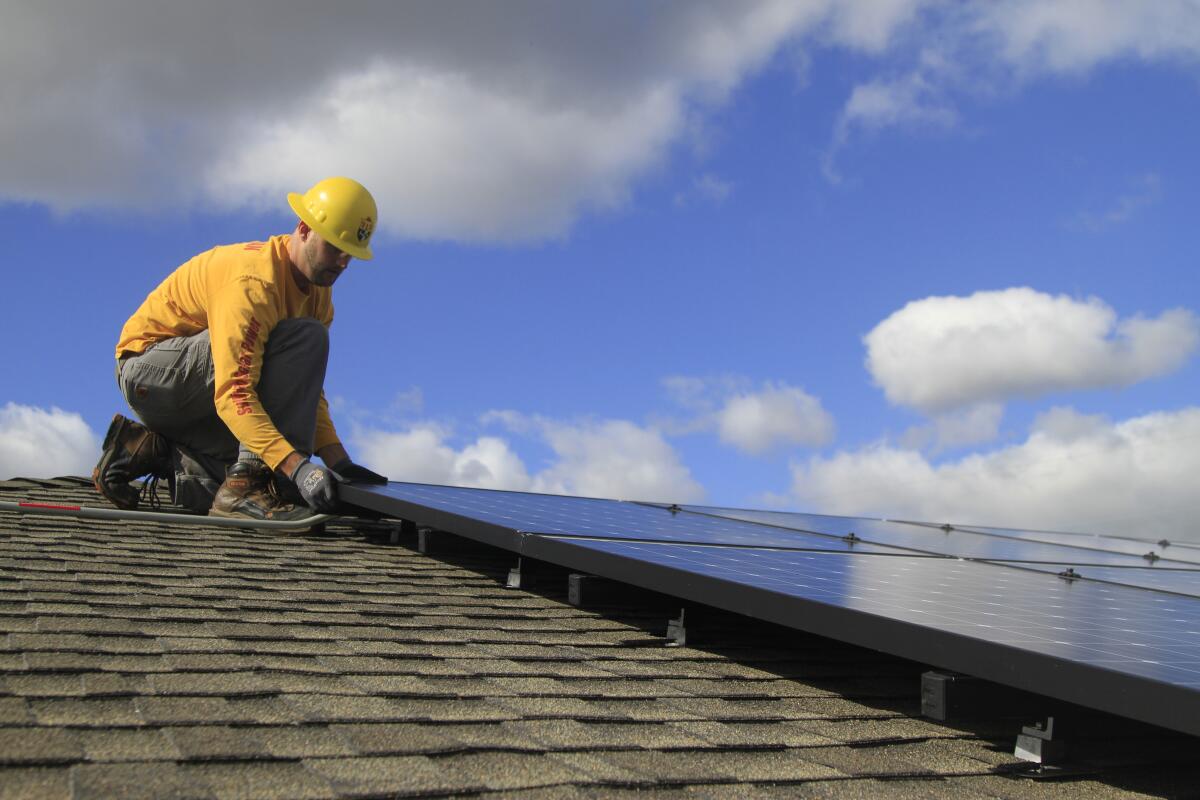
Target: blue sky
901 258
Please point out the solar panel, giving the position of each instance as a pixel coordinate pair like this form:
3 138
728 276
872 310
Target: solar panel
957 542
1131 651
523 513
1174 551
1177 581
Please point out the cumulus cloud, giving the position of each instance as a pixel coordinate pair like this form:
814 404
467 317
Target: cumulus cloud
421 454
487 121
1073 472
754 419
36 443
615 458
1075 35
778 416
958 428
609 458
914 100
984 46
470 121
943 353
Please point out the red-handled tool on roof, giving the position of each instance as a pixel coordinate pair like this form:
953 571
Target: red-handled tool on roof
85 512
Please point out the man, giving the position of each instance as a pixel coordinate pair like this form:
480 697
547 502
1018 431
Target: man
224 363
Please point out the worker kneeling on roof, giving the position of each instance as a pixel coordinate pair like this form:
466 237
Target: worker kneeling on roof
224 363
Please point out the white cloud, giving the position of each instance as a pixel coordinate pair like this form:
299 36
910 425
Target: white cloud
1075 35
35 443
871 25
943 353
494 121
958 428
476 164
778 416
420 454
610 458
615 458
1073 472
915 100
1144 190
491 121
753 419
985 47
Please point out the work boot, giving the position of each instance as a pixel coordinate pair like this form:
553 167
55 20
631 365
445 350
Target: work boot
130 451
249 493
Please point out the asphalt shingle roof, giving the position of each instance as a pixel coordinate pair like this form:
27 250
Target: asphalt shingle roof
141 660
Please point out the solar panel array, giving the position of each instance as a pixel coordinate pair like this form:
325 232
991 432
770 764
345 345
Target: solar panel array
1103 621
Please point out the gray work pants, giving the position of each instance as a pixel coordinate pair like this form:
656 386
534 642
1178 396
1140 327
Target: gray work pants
170 388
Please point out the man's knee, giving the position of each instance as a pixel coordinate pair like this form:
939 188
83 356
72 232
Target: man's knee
306 335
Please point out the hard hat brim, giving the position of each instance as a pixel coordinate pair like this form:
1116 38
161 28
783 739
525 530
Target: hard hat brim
296 201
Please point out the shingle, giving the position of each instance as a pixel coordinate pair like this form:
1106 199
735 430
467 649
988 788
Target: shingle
114 684
179 710
87 625
303 741
285 781
917 789
597 769
857 730
671 767
207 742
39 746
264 710
486 736
509 770
640 710
17 624
867 762
397 775
571 734
398 685
127 745
213 683
559 708
336 708
68 662
39 685
51 642
12 662
394 738
782 765
135 781
35 783
751 734
89 713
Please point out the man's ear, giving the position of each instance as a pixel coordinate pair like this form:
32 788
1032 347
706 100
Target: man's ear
302 230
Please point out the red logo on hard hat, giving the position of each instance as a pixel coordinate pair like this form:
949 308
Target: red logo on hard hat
364 229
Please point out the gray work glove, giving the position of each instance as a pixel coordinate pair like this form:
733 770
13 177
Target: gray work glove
347 470
317 486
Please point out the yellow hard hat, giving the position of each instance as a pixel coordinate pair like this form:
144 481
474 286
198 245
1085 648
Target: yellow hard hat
342 211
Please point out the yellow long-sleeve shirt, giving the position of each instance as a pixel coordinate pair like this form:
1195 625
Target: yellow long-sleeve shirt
238 293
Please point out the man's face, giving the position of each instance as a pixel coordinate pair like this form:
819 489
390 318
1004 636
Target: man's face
324 262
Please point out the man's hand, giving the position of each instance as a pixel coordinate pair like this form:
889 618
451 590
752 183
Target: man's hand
317 486
347 470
